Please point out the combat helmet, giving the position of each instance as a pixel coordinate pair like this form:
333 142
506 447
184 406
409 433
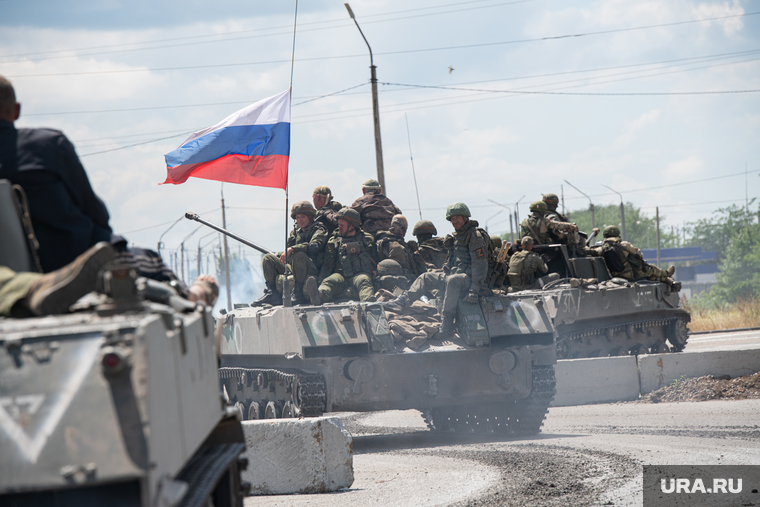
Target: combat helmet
389 267
371 185
399 224
496 240
325 191
424 227
457 209
551 201
350 215
303 208
539 206
611 231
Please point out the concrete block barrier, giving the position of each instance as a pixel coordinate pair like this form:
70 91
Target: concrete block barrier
287 456
596 380
659 370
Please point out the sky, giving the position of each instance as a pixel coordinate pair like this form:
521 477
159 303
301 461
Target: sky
657 100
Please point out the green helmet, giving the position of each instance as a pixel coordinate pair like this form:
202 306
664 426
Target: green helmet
389 267
611 231
457 209
324 191
350 215
496 241
303 208
371 185
424 227
539 206
551 199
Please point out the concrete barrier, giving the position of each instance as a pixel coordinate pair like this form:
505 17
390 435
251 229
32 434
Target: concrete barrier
596 380
659 370
287 456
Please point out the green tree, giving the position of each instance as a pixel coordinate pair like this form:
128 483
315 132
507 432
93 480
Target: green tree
641 229
739 275
716 233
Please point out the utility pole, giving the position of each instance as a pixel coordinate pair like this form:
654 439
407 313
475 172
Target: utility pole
182 262
590 204
226 255
375 107
658 235
510 217
622 210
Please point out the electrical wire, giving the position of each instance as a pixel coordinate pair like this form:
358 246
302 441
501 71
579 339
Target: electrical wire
387 53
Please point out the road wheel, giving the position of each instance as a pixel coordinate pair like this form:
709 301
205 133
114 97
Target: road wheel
659 348
273 410
254 411
241 409
289 411
678 334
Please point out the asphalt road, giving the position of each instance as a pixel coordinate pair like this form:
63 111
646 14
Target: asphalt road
724 341
585 455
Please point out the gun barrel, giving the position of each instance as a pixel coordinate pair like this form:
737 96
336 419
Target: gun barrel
591 237
194 216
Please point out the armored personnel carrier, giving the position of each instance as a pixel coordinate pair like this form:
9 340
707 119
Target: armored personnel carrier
117 404
612 317
307 360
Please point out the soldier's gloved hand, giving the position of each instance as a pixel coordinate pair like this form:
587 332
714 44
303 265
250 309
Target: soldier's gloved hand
312 250
472 298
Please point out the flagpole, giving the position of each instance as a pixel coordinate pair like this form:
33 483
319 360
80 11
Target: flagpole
226 254
285 293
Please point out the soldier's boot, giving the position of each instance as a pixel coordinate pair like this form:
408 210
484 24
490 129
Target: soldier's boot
674 285
312 289
54 292
575 282
297 296
446 332
398 304
271 296
671 270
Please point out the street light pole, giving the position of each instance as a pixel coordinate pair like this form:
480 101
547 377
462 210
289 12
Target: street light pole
622 209
590 204
511 230
375 107
517 215
494 216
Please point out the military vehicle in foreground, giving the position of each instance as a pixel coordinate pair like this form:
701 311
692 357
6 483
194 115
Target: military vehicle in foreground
117 404
307 360
612 317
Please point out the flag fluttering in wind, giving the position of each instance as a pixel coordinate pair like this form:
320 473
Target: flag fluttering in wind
249 147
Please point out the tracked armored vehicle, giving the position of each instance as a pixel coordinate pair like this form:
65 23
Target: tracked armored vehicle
307 360
117 404
612 317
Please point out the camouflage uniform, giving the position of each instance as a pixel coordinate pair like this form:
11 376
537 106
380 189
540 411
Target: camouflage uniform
468 268
523 267
375 209
499 276
327 214
14 288
635 266
348 265
391 245
564 235
432 249
390 275
308 251
538 227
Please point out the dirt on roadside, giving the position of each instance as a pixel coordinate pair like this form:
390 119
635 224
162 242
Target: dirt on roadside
707 388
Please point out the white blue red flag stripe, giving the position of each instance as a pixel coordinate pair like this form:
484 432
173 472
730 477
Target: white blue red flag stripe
250 147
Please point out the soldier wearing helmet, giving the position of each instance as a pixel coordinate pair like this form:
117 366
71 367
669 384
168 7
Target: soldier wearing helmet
626 261
524 266
374 208
563 235
537 225
327 209
465 274
431 248
390 275
305 249
350 263
391 245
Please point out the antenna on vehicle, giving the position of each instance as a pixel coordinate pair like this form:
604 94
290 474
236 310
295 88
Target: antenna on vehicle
409 138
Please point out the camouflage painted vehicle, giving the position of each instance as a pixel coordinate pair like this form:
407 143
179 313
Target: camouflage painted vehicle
117 404
612 317
307 360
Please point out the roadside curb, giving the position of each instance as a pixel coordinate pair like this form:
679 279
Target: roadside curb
613 379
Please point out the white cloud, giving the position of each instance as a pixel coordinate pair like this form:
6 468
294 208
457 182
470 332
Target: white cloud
731 26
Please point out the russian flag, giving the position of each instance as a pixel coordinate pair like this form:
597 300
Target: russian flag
249 147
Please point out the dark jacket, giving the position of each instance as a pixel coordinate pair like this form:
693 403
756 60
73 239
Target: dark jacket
67 216
376 211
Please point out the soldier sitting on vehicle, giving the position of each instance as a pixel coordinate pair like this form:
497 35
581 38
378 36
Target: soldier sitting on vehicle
327 209
390 275
305 251
391 245
431 248
538 226
565 235
464 276
500 263
524 266
625 260
374 208
350 262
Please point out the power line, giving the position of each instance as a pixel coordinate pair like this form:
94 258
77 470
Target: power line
408 51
